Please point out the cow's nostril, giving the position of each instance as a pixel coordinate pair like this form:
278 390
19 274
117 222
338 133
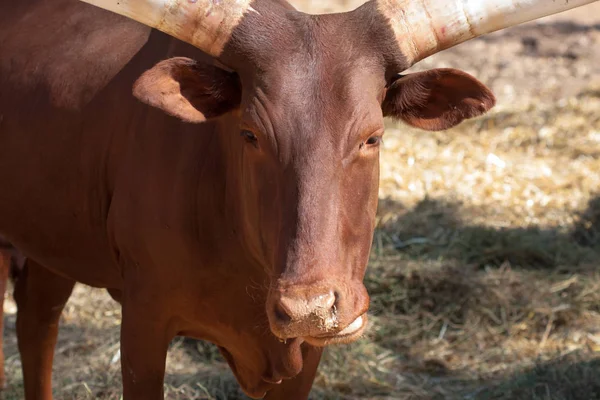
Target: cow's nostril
336 302
281 315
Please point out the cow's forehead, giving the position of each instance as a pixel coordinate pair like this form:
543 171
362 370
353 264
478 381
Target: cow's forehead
322 103
323 85
322 78
317 53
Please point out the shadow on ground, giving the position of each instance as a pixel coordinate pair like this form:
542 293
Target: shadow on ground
565 378
434 230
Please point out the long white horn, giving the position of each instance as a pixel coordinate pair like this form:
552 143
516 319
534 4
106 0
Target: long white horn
425 27
205 24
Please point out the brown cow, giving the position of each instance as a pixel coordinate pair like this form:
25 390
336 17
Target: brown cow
251 230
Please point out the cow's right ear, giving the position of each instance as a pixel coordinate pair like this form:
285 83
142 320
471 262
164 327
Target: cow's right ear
437 99
194 92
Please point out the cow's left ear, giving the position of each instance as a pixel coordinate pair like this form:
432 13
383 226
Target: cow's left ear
192 91
437 99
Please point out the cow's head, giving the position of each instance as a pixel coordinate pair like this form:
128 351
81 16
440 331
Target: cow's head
307 96
310 94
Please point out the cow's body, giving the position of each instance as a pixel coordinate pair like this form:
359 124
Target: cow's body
98 191
74 128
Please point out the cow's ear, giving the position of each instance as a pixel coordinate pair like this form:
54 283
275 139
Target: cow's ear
189 90
437 99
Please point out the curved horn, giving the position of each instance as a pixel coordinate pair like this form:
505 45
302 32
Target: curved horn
425 27
205 24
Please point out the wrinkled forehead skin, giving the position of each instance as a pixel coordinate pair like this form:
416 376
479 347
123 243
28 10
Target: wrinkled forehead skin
323 95
327 66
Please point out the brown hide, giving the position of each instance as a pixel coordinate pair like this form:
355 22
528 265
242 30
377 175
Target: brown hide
251 229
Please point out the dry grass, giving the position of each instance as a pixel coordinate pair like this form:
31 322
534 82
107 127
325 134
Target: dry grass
485 271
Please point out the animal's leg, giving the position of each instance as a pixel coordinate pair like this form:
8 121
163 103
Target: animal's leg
146 331
41 296
5 259
299 387
116 295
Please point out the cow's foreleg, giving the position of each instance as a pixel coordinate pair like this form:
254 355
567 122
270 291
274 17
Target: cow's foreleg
146 331
299 387
41 296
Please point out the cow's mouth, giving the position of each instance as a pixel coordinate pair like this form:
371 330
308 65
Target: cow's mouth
347 335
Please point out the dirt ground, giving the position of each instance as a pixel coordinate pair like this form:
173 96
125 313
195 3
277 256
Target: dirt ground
485 270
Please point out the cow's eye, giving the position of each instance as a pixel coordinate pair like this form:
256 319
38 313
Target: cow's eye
249 137
373 141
